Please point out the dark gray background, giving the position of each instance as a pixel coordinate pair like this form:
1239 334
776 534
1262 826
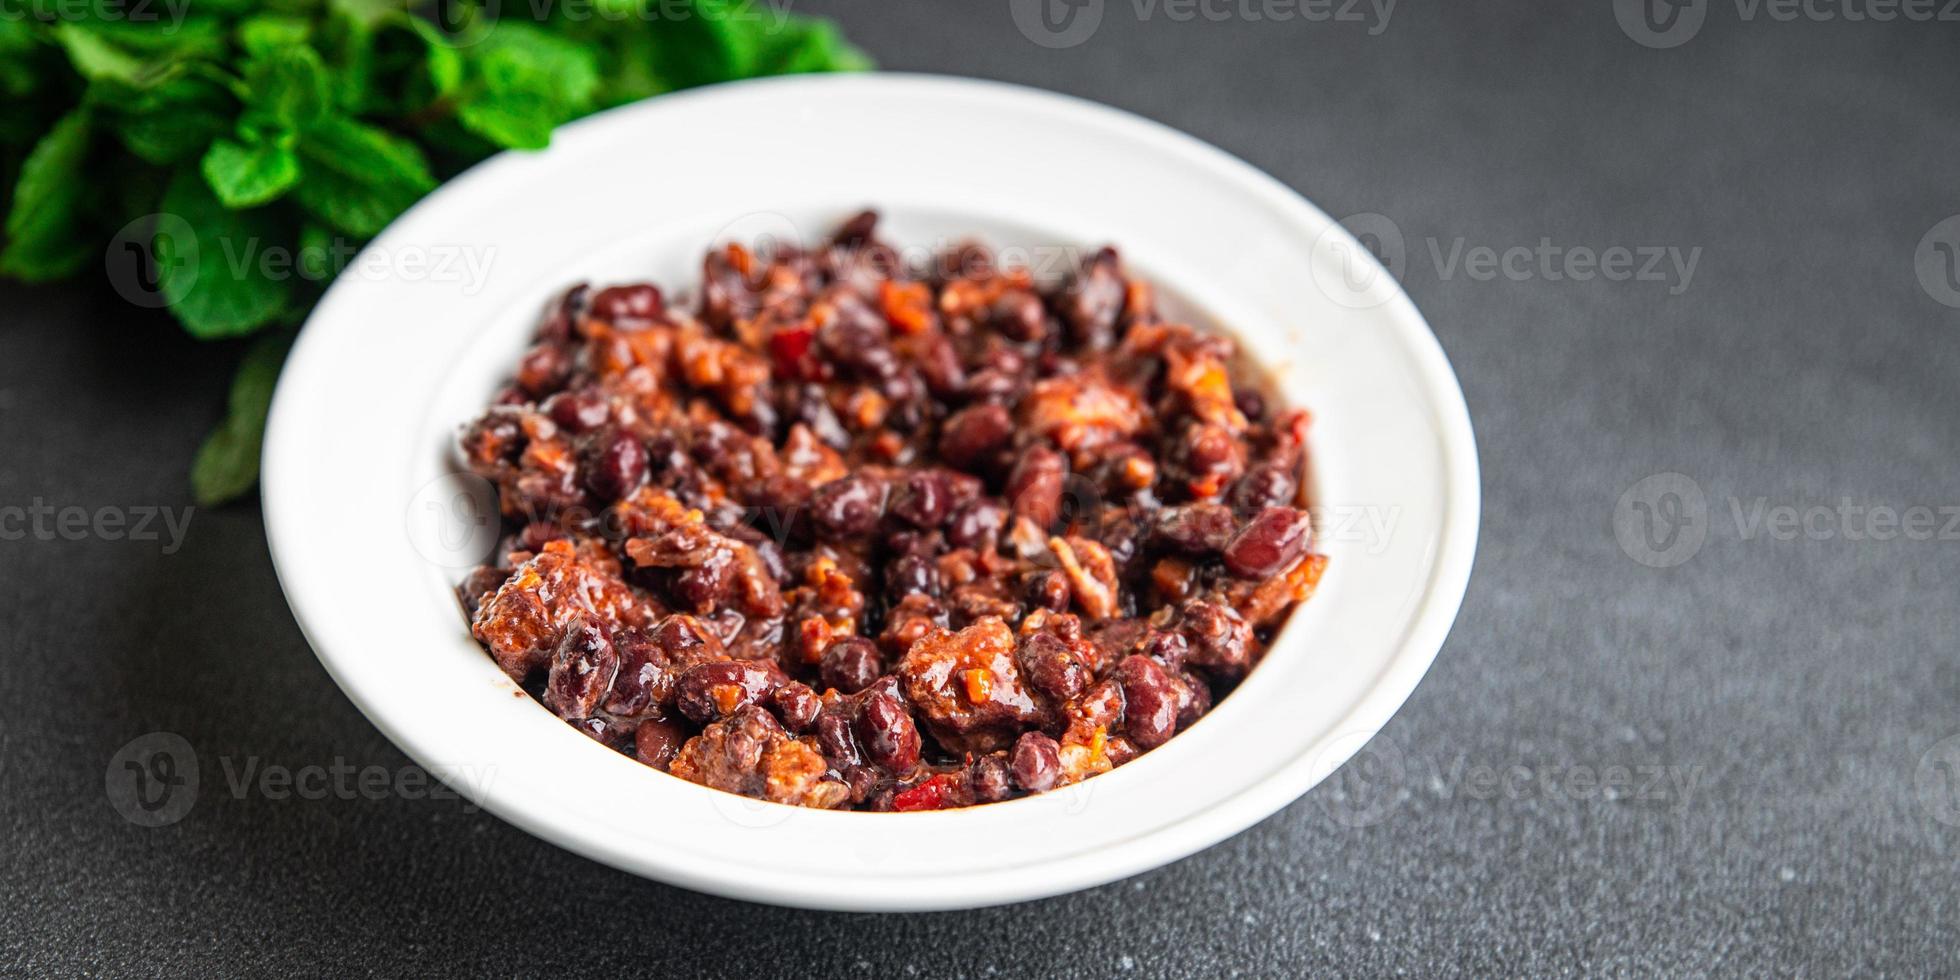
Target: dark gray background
1797 688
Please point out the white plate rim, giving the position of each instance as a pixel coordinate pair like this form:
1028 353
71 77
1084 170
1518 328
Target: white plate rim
1422 637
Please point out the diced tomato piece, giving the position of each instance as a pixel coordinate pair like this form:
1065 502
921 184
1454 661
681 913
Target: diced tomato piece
933 794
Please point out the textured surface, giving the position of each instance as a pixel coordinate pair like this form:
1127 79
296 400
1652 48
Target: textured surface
1793 694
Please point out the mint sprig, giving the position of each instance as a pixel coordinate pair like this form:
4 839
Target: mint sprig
309 125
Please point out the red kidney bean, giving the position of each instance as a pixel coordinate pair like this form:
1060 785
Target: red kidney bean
1194 529
847 507
615 466
1034 488
1265 485
1269 544
796 705
850 664
1036 763
923 500
582 670
712 691
987 779
628 304
577 411
886 729
1149 700
657 741
1052 668
544 369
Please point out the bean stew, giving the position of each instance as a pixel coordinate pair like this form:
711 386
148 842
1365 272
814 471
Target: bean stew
854 531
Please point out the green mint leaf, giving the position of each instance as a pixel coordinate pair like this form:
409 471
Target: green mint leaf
172 120
530 81
443 63
21 67
358 178
44 237
94 57
288 88
215 283
266 34
228 463
246 175
807 44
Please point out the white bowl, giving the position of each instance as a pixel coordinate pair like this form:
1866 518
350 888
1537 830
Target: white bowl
362 511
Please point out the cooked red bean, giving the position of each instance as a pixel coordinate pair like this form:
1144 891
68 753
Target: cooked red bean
987 779
851 664
1270 544
1036 763
1034 488
924 499
706 692
577 411
1194 529
1149 701
1053 668
640 302
848 507
657 741
862 533
796 705
887 731
616 465
581 671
